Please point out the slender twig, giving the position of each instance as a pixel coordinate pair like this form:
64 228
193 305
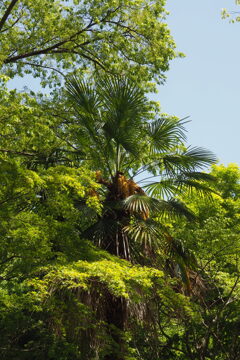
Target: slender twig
42 66
10 27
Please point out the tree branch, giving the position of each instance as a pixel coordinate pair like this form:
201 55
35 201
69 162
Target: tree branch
48 49
23 153
70 51
7 13
56 46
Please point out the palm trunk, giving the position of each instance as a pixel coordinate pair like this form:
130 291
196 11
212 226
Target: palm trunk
118 244
116 316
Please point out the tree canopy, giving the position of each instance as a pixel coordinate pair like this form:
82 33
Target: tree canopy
117 36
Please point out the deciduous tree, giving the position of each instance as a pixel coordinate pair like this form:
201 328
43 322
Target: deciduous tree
118 36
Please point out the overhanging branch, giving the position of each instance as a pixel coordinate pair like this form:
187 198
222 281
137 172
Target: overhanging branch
7 13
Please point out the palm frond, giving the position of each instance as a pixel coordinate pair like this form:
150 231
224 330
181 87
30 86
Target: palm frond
86 103
197 158
122 97
174 208
185 183
165 133
84 97
145 232
188 186
182 254
200 176
184 258
128 140
162 189
142 204
172 164
190 181
125 106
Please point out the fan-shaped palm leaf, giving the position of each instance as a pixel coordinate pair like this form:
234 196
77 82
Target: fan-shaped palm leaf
144 205
188 160
83 97
165 133
185 182
197 158
122 98
145 232
141 204
124 108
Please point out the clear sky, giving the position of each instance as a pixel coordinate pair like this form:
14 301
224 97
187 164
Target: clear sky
204 85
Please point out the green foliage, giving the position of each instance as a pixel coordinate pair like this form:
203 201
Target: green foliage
117 36
92 267
68 297
119 277
69 301
215 241
37 198
60 295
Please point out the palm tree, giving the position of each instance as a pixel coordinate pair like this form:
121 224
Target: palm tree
118 134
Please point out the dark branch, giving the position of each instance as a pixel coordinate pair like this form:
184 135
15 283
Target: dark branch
23 153
35 52
56 47
70 51
48 49
7 13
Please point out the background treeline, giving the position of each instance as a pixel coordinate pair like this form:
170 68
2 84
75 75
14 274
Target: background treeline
115 244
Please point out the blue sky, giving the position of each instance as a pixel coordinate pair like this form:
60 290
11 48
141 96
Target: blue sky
205 84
